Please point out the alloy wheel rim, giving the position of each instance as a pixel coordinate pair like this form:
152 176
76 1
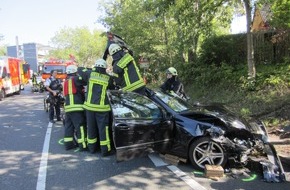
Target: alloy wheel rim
208 152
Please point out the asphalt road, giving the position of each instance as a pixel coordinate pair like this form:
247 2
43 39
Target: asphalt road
32 157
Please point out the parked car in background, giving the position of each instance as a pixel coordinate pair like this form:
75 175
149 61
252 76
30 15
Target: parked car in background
202 134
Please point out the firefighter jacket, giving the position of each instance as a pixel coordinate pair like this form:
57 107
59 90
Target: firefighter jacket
126 73
73 91
174 85
98 81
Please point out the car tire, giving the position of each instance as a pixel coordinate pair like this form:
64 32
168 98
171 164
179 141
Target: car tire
204 151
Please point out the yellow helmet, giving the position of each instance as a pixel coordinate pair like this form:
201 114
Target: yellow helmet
171 70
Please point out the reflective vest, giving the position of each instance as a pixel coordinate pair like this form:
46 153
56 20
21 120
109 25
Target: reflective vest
55 84
74 95
96 98
131 79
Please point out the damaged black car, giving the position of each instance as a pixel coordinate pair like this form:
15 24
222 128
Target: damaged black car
200 134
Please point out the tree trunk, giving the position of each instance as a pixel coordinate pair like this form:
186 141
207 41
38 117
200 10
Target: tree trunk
250 48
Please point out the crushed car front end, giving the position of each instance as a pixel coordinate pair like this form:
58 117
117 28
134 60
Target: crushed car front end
246 141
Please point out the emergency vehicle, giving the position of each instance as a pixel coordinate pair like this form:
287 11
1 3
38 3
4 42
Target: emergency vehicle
58 65
14 74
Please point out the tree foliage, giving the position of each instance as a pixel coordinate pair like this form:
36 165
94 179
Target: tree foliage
168 32
86 46
281 14
2 50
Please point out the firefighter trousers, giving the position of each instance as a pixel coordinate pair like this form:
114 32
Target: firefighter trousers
75 130
98 131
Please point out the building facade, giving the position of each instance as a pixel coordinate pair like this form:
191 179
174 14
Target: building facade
34 54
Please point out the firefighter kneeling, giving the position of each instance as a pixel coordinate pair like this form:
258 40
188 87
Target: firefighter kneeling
75 121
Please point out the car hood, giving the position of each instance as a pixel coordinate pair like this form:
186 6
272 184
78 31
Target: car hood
211 112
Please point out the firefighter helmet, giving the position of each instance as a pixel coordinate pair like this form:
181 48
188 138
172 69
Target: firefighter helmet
171 70
101 63
114 48
71 69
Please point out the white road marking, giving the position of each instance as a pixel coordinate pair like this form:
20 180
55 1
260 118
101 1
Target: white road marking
157 161
41 180
188 180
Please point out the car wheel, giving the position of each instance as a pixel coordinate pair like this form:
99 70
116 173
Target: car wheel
205 151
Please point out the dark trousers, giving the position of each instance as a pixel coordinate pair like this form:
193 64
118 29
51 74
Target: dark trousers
75 127
54 105
98 131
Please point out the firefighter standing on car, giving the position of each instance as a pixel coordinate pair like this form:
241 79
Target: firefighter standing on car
173 85
54 87
75 121
97 107
125 71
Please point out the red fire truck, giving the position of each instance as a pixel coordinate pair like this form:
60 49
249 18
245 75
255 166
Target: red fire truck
14 74
56 64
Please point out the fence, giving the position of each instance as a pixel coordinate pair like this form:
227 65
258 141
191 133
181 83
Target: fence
271 46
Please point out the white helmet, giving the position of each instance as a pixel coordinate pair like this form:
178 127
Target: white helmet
101 63
114 48
71 69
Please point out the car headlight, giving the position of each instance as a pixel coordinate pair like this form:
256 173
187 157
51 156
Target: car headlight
237 124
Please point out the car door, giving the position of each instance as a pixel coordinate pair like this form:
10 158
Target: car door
135 121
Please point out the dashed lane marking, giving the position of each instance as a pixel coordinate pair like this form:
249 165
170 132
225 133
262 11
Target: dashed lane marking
188 180
157 161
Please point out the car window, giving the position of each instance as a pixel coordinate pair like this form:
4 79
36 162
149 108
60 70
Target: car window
135 106
49 68
174 103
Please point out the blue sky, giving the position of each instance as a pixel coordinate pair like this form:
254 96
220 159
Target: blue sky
39 20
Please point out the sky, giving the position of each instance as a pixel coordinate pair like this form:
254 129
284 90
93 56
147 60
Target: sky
37 21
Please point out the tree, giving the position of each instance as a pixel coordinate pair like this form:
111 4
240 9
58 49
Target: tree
2 50
80 42
170 29
250 48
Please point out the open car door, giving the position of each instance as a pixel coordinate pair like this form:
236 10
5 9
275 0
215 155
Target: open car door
115 39
136 119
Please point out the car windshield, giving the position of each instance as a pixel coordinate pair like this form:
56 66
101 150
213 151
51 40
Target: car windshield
177 104
49 68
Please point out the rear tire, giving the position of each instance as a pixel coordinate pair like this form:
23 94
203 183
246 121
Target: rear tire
206 151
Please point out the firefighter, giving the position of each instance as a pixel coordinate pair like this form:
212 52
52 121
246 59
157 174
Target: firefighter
54 87
34 83
97 107
125 71
75 121
173 85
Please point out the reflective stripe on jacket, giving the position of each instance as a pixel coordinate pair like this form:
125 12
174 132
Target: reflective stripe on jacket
97 99
131 79
74 98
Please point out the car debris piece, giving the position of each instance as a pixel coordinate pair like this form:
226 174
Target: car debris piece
171 159
213 171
